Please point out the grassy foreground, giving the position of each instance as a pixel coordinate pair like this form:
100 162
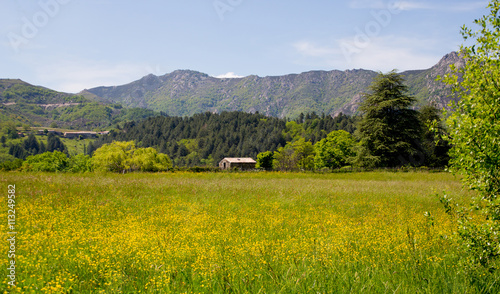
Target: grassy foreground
225 232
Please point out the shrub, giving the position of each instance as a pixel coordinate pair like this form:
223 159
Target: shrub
123 156
46 162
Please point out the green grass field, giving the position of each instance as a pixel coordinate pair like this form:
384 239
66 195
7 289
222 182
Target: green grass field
375 232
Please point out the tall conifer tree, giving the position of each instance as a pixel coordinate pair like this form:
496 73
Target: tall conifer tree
390 130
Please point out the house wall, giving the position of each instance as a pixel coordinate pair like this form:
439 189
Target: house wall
224 165
242 166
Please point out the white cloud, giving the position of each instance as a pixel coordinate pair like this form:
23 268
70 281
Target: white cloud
308 48
388 53
440 6
380 54
410 5
229 75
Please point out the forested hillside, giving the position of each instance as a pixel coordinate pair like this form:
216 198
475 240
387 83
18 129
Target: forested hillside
25 104
206 138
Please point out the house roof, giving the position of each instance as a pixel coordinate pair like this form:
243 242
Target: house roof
239 160
79 133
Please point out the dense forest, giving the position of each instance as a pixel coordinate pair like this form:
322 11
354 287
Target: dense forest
206 138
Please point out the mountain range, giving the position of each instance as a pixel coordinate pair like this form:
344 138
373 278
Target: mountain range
186 92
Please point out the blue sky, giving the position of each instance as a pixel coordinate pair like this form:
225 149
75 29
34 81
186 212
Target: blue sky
70 45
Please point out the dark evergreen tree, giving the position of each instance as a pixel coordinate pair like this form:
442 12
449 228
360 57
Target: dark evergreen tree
90 149
43 148
435 147
31 145
390 130
18 151
54 143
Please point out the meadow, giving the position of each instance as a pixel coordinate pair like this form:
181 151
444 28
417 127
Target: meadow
372 232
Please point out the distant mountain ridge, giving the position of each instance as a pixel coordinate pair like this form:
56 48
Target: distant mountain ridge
23 103
186 92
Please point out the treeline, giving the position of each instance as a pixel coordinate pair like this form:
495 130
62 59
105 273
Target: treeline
21 150
390 133
114 157
204 139
31 146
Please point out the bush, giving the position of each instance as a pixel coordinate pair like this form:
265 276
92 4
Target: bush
46 162
113 157
80 163
123 156
11 165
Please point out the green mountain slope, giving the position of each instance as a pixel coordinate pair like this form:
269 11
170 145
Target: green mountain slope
23 103
184 92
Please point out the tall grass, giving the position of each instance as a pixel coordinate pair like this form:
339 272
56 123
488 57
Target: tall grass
378 232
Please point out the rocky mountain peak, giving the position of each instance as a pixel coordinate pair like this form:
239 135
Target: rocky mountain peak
186 92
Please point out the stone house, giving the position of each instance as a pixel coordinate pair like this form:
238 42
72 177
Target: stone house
238 163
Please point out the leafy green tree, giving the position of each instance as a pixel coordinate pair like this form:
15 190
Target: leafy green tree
149 160
12 164
123 156
6 157
265 160
335 150
113 157
10 130
284 159
46 162
434 146
389 131
304 154
293 131
475 137
296 155
80 163
209 161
